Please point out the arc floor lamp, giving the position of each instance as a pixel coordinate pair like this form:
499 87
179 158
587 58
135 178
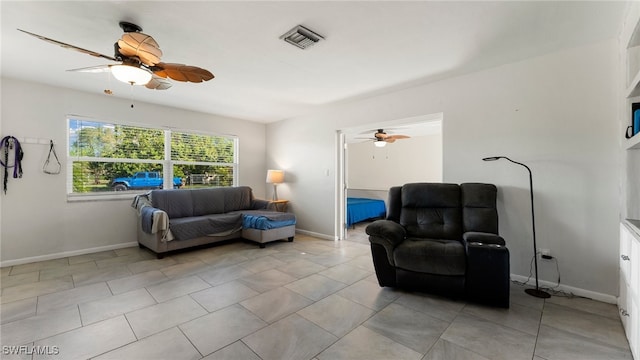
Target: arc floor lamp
533 292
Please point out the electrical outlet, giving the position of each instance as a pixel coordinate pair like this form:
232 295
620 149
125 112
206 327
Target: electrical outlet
545 254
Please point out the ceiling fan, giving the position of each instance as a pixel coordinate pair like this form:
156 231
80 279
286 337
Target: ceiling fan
138 61
381 138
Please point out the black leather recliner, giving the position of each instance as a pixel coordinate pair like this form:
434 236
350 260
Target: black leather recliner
442 238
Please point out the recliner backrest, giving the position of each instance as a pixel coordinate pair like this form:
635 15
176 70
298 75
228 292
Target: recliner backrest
444 211
431 210
479 211
394 204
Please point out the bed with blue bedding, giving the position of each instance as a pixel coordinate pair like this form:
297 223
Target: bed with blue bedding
360 209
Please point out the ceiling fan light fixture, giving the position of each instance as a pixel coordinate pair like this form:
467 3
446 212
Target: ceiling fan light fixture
380 143
131 74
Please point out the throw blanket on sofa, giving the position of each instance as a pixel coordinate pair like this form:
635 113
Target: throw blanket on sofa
206 225
146 216
151 219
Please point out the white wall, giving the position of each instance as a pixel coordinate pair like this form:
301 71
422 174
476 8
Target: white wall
37 220
417 159
1 195
555 113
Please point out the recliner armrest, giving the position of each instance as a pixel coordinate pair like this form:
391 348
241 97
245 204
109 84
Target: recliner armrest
482 238
488 273
386 232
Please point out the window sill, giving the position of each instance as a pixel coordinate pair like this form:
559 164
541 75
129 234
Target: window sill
102 197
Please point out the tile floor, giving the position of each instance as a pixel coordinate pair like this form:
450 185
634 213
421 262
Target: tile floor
310 299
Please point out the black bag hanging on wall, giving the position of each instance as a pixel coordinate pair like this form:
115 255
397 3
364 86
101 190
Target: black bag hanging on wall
8 144
52 150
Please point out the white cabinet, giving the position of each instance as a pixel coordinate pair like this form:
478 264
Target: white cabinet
630 56
629 298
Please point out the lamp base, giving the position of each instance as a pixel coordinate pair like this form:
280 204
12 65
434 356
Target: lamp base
538 293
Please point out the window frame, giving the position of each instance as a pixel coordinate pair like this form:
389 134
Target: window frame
167 163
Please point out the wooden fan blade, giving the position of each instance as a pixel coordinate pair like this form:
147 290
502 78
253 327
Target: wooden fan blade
396 137
69 46
390 139
158 83
93 69
141 45
381 136
181 72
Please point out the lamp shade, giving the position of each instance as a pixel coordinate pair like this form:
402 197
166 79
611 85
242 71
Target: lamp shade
130 74
379 143
275 176
492 158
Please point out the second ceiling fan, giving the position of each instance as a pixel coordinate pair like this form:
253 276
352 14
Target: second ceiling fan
381 138
138 56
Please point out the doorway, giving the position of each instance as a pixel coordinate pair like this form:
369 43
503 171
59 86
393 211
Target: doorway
368 171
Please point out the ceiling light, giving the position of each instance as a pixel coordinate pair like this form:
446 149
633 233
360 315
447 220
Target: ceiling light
130 74
301 37
380 143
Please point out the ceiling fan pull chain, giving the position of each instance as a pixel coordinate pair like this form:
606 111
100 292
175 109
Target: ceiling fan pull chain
131 95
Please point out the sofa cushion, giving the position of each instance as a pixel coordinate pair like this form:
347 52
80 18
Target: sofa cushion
432 256
237 198
208 201
176 203
206 225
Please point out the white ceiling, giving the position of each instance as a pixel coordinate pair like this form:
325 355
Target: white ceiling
370 47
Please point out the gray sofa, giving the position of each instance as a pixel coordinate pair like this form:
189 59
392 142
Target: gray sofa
177 219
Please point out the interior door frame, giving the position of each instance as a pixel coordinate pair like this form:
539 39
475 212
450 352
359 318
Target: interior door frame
341 184
341 181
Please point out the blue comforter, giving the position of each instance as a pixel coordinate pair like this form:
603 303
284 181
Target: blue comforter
359 209
265 222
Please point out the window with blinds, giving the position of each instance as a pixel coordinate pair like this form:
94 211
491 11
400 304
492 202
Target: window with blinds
203 160
109 157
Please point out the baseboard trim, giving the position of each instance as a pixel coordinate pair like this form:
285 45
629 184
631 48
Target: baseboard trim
318 235
606 298
64 254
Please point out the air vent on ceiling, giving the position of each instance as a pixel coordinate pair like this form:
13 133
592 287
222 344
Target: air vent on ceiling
301 37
